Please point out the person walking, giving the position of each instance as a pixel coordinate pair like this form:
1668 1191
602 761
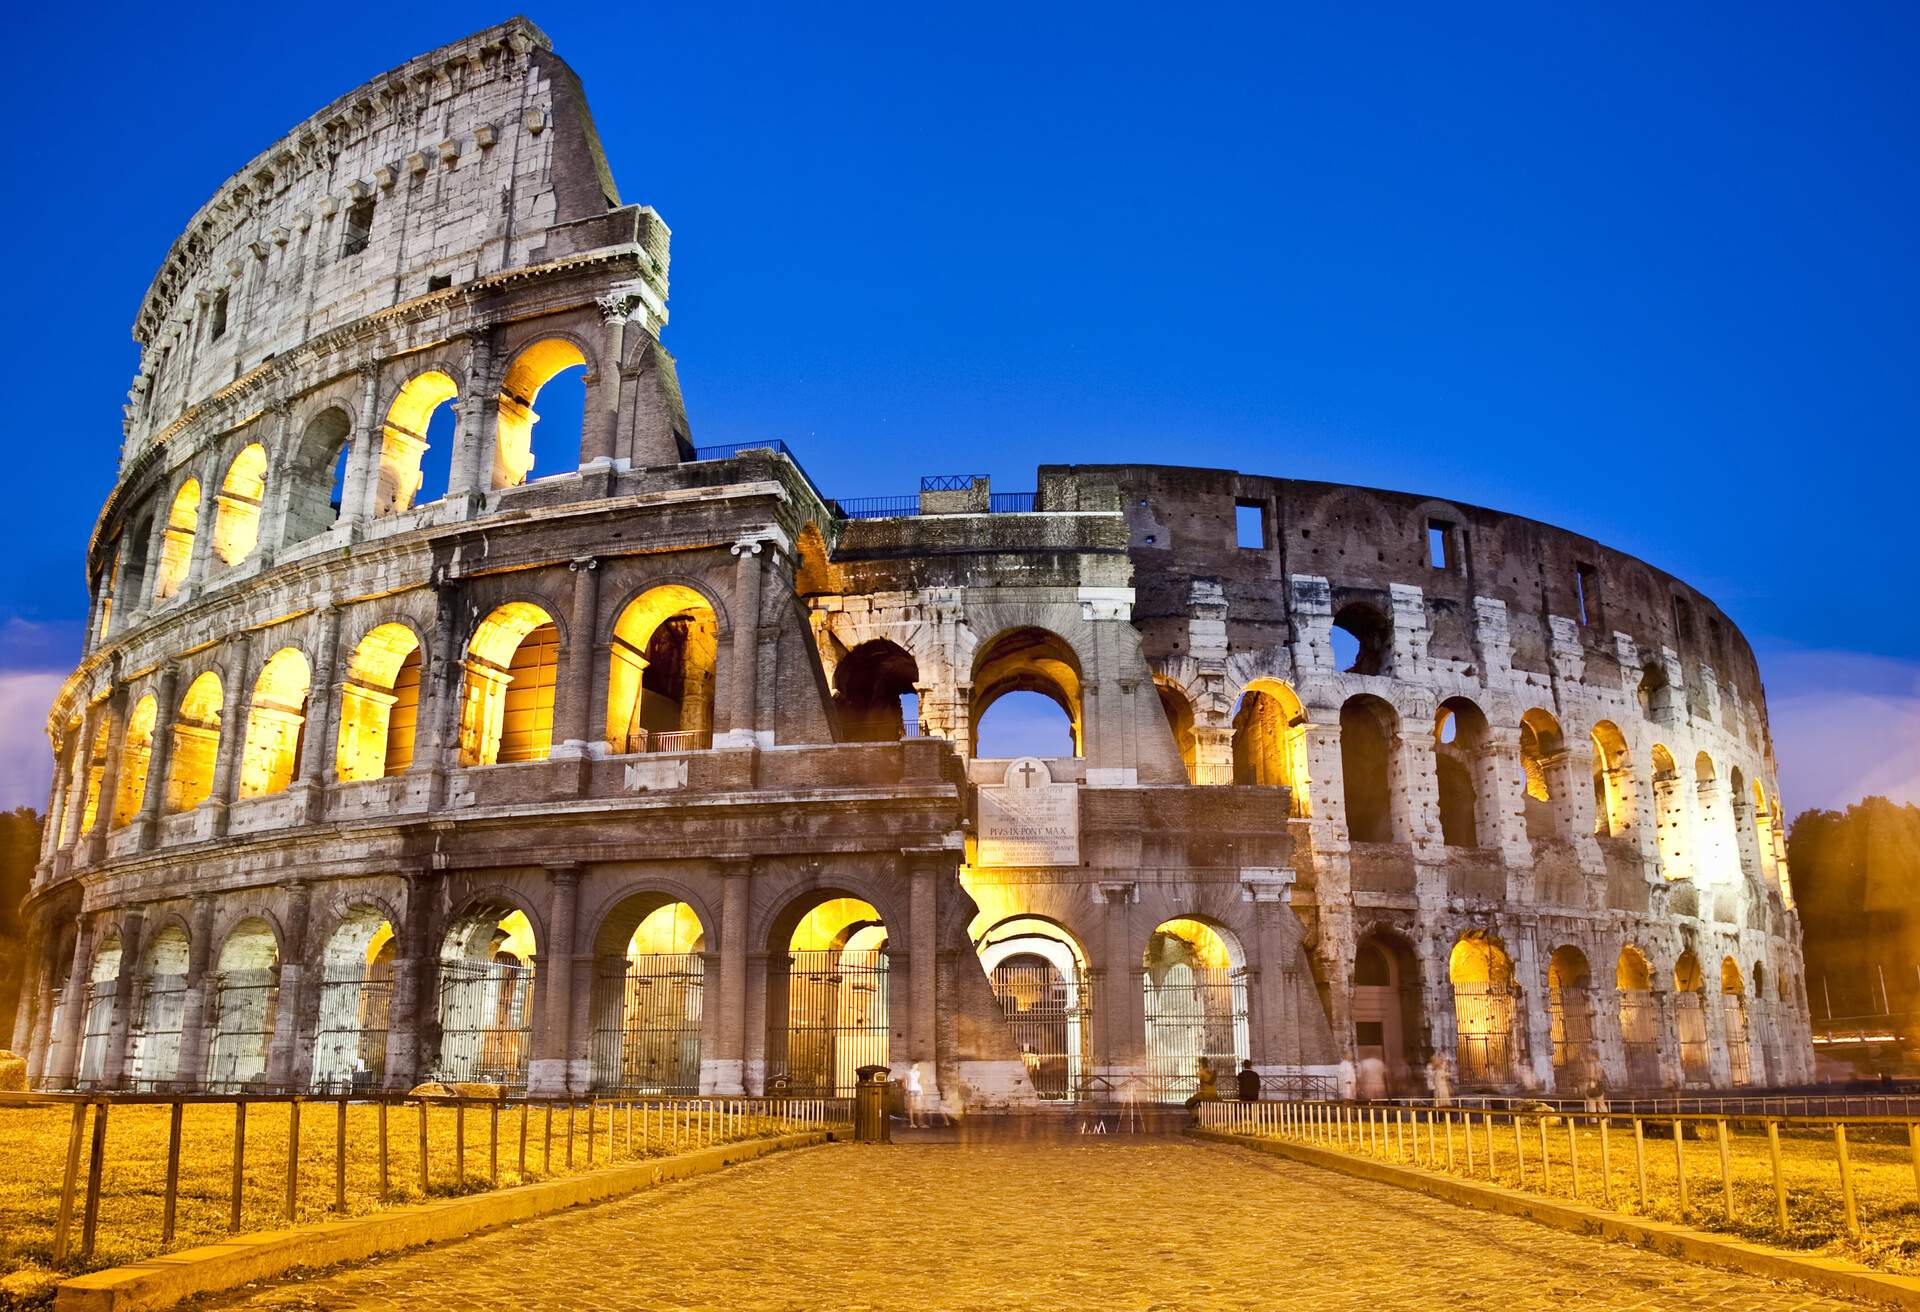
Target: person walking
916 1112
1249 1082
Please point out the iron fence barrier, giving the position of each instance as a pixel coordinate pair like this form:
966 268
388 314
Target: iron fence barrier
665 1125
1498 1142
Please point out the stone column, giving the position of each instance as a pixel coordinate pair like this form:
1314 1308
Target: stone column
74 1013
548 1072
115 713
470 474
413 1019
316 747
77 770
24 1013
743 663
160 759
438 747
923 940
283 1056
726 1069
1119 994
1571 789
1503 793
233 733
363 459
279 491
598 433
1270 890
197 1000
574 735
200 557
113 1070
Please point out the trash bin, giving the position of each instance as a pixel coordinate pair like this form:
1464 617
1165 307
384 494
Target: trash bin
870 1123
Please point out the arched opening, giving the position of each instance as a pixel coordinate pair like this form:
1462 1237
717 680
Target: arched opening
1770 1069
1716 858
1386 1015
826 996
1039 976
176 546
96 770
1179 712
1042 665
556 370
1542 748
136 754
1459 744
1612 781
506 702
246 1003
1733 1014
1270 740
419 420
1367 729
1576 1062
1196 1007
355 1000
486 997
318 476
97 1020
1690 1019
1671 830
154 1057
379 705
648 981
1655 692
236 507
1639 1018
660 681
875 694
1763 834
196 744
1362 639
133 567
1483 1010
276 724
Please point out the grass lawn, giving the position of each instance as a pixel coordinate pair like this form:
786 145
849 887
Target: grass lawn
33 1152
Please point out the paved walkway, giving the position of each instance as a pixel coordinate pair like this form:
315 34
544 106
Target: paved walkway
1102 1224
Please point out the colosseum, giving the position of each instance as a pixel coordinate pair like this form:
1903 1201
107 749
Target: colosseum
416 740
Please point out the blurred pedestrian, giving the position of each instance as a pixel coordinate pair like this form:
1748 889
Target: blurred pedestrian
1249 1082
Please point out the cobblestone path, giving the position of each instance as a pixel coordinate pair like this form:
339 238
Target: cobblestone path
1147 1224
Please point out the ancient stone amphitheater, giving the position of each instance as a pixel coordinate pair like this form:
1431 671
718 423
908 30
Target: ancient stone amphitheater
417 739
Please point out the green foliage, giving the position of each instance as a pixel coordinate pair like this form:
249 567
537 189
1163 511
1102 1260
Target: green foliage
19 850
1856 880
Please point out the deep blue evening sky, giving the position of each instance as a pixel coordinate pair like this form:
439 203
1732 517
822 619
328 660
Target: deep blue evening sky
1649 275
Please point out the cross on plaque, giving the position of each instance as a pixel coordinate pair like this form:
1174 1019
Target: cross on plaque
1026 773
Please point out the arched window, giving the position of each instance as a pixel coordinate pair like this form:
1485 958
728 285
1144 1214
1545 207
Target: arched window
1026 661
874 691
506 704
1655 692
1367 729
1483 1009
1639 1018
1613 800
154 1058
196 744
1196 1004
236 514
486 997
1362 639
1179 712
1672 832
1386 1015
827 1011
275 724
1733 1004
316 490
1713 861
354 1004
1576 1064
1459 751
96 772
176 547
246 998
96 1030
1270 740
1542 762
1690 1018
660 679
555 368
648 982
415 426
379 705
136 753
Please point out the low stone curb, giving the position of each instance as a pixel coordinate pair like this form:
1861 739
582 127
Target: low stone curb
161 1282
1703 1246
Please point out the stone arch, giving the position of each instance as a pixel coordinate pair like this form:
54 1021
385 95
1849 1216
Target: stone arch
1690 1019
1613 790
1387 1012
533 367
1484 1009
380 703
196 743
485 1008
1179 712
1270 739
1369 727
353 1003
1576 1059
276 724
176 543
1639 1017
1195 981
649 949
238 503
136 755
404 438
663 663
246 1000
96 1023
1037 968
1364 644
1027 659
316 473
1459 748
154 1048
507 693
827 995
1735 1022
812 572
873 686
94 772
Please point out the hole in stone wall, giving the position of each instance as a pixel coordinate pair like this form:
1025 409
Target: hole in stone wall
1362 638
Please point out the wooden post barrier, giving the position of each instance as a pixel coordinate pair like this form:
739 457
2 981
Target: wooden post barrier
1606 1161
293 1161
96 1161
1680 1161
1779 1177
1846 1179
569 1134
1573 1153
493 1143
1640 1160
175 1113
340 1156
386 1184
1726 1169
423 1147
64 1222
1546 1159
525 1111
239 1163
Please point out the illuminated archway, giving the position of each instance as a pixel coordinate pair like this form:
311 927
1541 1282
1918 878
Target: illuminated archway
379 705
236 507
827 1012
404 439
1179 712
1733 1012
874 690
196 744
532 369
661 673
1483 1010
97 1020
96 769
1196 1006
1639 1018
176 544
506 703
1613 799
246 1002
1039 976
1386 1014
1027 660
136 755
354 1003
1270 740
486 997
276 722
1576 1063
648 987
154 1059
1690 1019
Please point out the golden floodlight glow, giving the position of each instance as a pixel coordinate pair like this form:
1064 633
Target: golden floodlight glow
274 724
404 439
379 705
236 517
196 744
660 676
176 546
136 753
532 370
506 706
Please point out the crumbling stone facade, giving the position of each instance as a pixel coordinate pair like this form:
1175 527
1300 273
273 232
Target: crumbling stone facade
603 780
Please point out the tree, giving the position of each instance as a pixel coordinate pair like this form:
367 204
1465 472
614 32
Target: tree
19 850
1856 880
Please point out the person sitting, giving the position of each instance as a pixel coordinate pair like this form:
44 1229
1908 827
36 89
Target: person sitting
1249 1082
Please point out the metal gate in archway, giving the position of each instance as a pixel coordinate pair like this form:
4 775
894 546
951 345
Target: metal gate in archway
486 1029
350 1039
836 1007
1194 1012
1050 1018
646 1023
